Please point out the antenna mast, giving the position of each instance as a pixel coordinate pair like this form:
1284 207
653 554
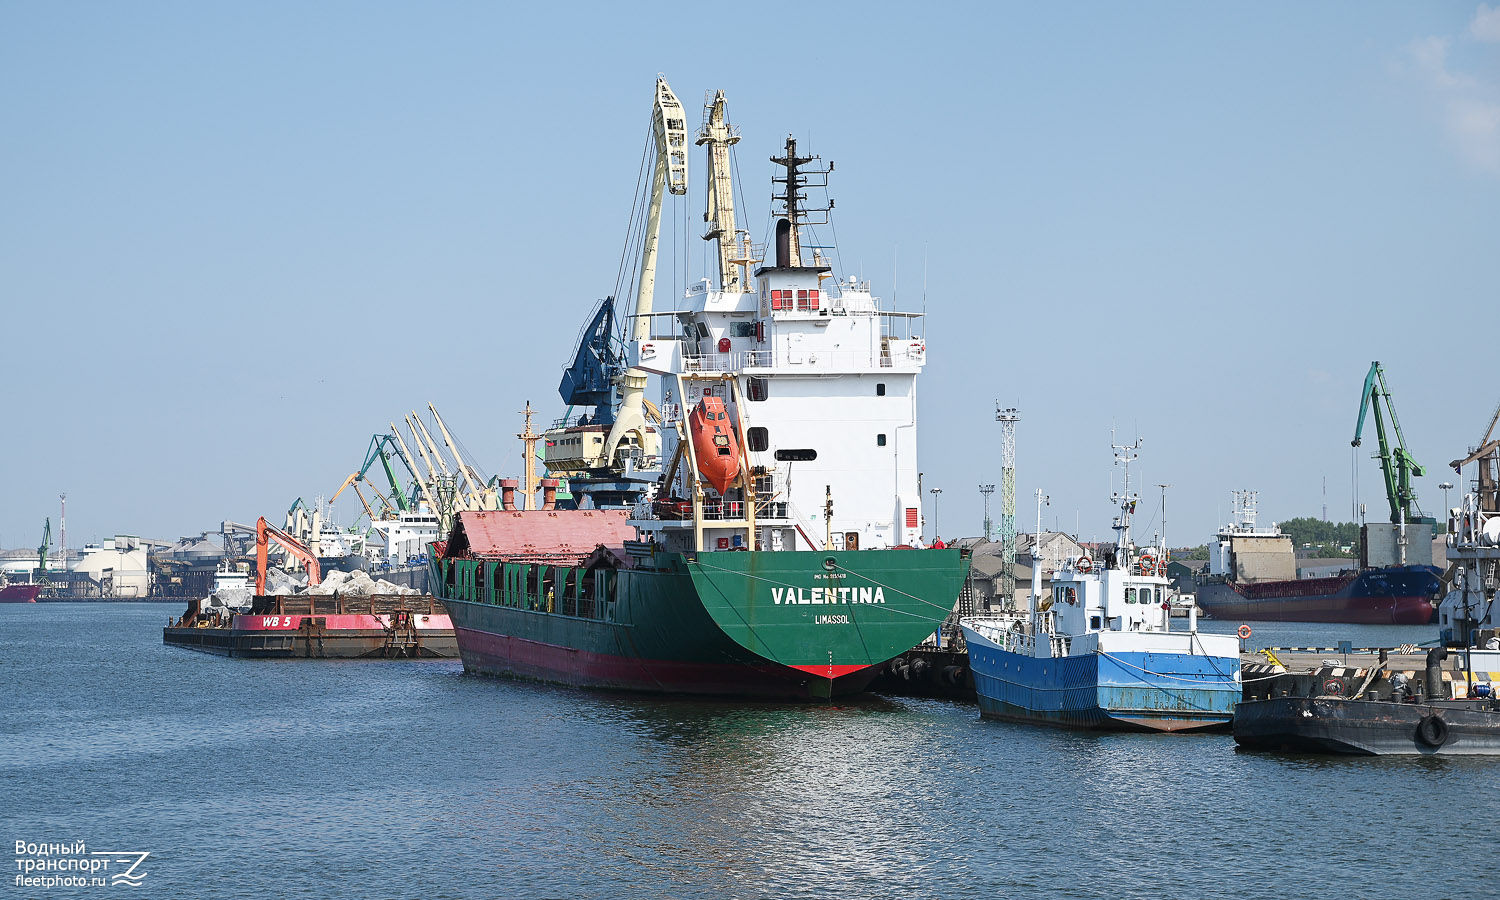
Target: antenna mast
1125 454
788 238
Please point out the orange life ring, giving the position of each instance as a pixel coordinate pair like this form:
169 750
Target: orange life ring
1245 632
1148 564
1084 564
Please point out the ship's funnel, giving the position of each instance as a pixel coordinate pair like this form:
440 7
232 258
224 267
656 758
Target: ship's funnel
508 494
783 243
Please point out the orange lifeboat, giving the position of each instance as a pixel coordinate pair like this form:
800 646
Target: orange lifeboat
714 443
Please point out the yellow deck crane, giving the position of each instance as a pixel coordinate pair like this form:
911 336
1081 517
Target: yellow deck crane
669 174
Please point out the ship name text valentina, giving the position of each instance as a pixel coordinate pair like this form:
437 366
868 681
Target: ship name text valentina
793 595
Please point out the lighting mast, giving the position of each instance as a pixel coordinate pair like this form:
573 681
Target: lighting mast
1008 419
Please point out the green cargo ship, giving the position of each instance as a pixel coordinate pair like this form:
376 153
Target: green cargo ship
778 553
790 625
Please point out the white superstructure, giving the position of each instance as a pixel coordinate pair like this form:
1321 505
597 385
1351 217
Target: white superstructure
819 383
407 535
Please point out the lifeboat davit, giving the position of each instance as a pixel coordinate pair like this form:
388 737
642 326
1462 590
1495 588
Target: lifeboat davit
714 443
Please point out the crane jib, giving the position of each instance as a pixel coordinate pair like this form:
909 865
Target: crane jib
1397 465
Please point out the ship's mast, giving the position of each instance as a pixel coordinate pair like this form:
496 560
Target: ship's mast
788 227
669 174
528 440
1126 498
719 137
788 247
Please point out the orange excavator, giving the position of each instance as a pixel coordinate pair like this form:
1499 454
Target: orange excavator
264 534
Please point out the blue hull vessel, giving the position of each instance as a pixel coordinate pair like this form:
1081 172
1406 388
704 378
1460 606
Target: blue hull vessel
1098 649
1142 681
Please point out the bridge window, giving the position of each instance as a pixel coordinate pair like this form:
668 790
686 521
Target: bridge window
742 329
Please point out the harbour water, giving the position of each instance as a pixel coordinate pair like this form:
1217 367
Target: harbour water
247 778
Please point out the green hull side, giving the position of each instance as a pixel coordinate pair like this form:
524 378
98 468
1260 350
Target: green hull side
834 608
709 624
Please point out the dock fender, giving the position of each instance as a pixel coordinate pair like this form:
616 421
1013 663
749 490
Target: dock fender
953 676
1432 730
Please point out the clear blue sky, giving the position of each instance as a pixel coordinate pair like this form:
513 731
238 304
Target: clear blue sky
237 240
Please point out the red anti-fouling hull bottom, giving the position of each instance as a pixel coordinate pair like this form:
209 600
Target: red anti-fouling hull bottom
493 654
20 593
1397 595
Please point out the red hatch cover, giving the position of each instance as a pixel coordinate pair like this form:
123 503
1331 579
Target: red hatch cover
561 535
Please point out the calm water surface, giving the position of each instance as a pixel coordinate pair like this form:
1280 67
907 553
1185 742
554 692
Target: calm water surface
371 779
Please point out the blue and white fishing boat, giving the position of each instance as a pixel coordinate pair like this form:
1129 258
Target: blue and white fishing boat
1099 650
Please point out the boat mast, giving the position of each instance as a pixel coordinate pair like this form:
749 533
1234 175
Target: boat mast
1127 499
669 174
719 215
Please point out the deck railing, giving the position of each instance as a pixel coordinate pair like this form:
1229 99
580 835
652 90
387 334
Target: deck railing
816 360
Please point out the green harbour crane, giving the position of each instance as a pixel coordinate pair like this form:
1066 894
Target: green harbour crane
1396 463
382 447
41 552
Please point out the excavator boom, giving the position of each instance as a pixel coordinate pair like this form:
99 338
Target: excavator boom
264 534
